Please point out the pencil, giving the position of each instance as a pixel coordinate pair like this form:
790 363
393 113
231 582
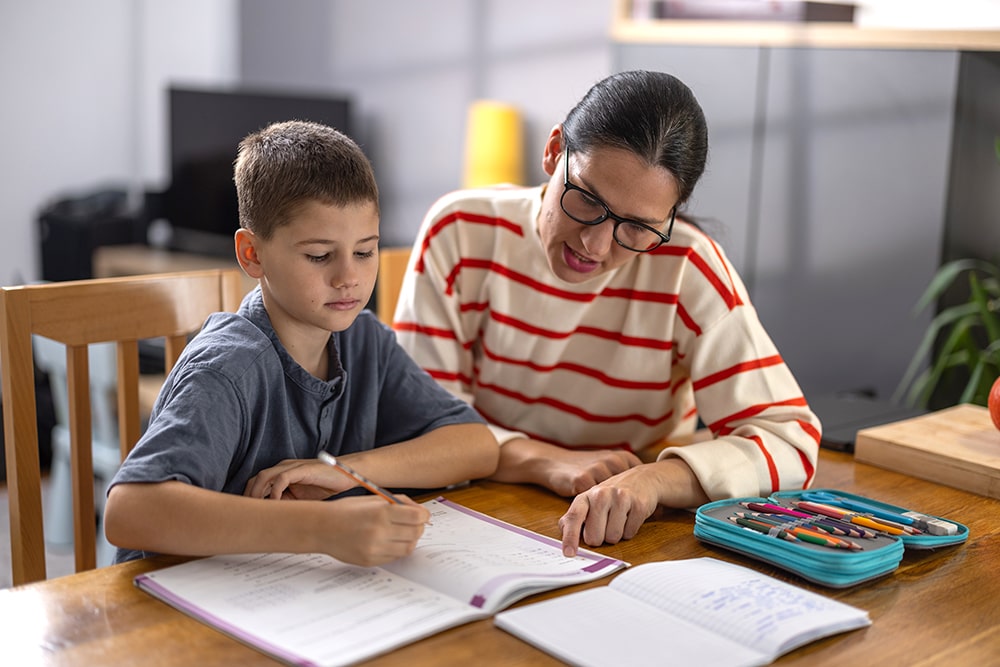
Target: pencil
359 478
819 521
784 520
854 517
797 532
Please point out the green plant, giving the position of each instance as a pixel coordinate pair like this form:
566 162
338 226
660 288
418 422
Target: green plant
963 340
968 333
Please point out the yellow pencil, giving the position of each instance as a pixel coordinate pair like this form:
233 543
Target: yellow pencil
359 478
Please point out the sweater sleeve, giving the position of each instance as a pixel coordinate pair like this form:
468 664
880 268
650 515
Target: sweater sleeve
766 438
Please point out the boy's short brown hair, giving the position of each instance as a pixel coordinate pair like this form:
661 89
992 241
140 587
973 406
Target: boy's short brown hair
288 163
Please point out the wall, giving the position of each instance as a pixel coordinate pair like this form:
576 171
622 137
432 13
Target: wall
84 102
83 105
413 77
826 186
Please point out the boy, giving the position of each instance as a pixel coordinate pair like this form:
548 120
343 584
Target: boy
298 370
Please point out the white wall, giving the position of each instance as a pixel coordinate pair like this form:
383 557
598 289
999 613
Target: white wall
413 76
82 84
82 102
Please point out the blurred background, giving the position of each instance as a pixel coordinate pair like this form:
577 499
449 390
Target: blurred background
833 180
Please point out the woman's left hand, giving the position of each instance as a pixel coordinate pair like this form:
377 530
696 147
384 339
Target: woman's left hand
615 509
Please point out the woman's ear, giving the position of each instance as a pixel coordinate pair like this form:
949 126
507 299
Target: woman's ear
246 253
553 150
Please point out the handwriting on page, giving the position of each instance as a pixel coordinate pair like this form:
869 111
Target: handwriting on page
746 607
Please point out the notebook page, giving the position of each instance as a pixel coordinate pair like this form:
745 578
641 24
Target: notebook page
600 626
306 608
736 602
488 564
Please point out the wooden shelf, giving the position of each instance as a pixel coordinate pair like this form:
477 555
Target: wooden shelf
625 29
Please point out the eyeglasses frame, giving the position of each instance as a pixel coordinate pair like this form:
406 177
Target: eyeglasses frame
608 213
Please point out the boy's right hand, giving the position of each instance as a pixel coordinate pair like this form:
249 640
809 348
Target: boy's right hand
368 531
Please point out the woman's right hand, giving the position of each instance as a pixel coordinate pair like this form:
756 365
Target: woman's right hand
297 479
568 472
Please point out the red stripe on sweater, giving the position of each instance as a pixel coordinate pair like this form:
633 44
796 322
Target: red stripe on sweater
616 336
722 427
772 470
551 441
574 410
577 368
416 327
448 376
433 332
729 278
743 367
728 296
806 465
474 218
727 292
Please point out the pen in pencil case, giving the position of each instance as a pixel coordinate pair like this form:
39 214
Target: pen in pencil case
793 535
773 525
923 522
860 519
359 478
828 524
814 522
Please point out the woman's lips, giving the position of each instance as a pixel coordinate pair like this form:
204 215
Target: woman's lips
577 262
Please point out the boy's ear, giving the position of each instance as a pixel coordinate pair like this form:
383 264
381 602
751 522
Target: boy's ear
246 253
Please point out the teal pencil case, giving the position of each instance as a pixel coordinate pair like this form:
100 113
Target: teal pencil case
934 531
821 548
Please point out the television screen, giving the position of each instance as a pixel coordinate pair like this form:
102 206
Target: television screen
205 129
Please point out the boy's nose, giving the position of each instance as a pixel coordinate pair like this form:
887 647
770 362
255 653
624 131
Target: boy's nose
345 278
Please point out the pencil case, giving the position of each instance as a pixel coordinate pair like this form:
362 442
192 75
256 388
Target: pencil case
876 555
935 532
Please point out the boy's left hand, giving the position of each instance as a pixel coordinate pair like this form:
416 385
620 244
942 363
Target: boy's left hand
297 479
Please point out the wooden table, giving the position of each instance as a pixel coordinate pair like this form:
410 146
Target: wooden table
939 608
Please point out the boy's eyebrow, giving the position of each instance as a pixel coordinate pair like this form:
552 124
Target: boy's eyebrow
304 242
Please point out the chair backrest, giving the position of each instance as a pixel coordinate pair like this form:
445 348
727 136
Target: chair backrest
391 269
121 310
50 357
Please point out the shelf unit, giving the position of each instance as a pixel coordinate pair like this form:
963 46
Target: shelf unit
626 29
845 164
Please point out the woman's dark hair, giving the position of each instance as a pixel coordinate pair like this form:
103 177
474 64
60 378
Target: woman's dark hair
651 114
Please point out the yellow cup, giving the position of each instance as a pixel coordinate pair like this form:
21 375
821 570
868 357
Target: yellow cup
494 145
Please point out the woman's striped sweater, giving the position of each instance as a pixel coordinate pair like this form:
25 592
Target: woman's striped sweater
623 360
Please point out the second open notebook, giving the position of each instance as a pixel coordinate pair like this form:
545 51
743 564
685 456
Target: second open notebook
311 609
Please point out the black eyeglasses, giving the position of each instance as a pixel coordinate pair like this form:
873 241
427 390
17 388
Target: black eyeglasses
588 209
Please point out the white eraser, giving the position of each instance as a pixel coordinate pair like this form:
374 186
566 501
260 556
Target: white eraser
932 525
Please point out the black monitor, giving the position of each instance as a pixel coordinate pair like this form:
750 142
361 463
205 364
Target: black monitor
206 127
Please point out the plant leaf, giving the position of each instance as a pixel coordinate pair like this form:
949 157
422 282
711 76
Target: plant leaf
946 275
940 321
953 353
982 301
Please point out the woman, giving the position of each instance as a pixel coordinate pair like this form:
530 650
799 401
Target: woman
587 321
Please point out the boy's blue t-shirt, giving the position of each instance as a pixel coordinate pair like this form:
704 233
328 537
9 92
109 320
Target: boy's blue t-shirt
237 403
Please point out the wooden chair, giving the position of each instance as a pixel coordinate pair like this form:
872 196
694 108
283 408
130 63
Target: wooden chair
391 269
77 313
